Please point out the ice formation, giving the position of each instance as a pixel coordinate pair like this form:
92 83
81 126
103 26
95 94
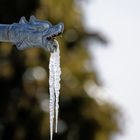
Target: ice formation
54 88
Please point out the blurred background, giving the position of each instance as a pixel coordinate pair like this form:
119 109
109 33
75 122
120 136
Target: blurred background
118 65
99 82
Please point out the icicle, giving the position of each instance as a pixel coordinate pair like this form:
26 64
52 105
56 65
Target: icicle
52 97
54 83
57 72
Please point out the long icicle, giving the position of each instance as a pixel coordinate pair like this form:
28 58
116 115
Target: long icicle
57 72
54 83
52 96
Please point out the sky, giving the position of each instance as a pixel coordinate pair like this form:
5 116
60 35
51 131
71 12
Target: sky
119 64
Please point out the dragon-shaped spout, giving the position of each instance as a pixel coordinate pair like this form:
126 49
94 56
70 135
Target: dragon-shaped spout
35 33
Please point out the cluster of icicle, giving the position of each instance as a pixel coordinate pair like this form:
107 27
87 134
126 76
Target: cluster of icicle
54 87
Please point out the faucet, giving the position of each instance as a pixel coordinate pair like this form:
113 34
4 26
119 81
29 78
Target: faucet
35 33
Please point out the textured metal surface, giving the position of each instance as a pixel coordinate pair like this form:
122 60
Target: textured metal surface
35 33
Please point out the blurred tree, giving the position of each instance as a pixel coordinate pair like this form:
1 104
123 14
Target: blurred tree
24 97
